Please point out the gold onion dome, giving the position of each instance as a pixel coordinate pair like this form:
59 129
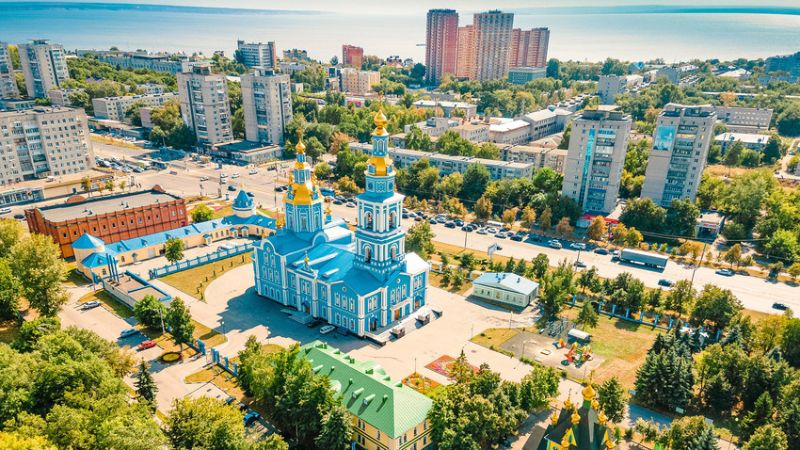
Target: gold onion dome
568 403
554 419
610 444
588 392
595 404
565 443
300 148
576 418
602 419
381 164
380 122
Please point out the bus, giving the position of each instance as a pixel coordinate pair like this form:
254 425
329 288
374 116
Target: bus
648 259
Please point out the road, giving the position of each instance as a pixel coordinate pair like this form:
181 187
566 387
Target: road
755 293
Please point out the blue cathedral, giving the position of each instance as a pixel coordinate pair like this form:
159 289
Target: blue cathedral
361 281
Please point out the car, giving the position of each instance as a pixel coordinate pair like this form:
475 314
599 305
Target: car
553 243
482 231
779 306
517 237
90 305
252 171
223 175
405 215
223 181
725 272
417 219
615 252
171 172
314 323
491 230
433 221
204 178
338 202
144 345
459 223
5 210
499 247
450 224
250 194
580 264
665 282
19 216
327 329
501 235
467 229
577 246
235 175
350 205
251 417
601 251
128 332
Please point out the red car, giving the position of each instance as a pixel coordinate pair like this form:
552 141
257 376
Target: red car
146 344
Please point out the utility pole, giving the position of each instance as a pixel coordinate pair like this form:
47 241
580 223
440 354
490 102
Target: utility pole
702 254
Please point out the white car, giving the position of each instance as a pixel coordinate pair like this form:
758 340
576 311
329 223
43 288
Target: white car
578 246
327 329
204 178
5 210
235 175
223 175
253 171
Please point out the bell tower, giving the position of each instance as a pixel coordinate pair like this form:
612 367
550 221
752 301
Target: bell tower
303 200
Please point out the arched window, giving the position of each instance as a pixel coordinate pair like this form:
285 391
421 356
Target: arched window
393 251
367 254
392 220
368 219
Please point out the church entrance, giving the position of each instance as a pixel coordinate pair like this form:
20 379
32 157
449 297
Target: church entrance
373 324
306 308
398 314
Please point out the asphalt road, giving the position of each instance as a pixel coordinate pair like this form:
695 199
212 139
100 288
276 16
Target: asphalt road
755 293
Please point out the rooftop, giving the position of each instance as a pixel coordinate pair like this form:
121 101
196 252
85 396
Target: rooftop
508 126
745 138
105 205
368 392
507 281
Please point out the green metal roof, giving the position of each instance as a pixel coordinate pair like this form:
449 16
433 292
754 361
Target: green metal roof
368 392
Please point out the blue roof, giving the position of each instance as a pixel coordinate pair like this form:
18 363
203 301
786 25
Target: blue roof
507 281
87 241
97 259
243 201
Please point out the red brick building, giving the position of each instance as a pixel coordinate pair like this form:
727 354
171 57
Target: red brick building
352 56
112 218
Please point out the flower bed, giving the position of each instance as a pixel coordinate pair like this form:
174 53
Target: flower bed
170 357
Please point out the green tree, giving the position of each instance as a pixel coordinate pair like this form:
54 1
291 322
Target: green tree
564 228
487 150
768 437
587 317
420 239
10 292
206 423
644 214
790 342
40 270
612 398
323 171
774 150
483 209
681 218
528 219
665 379
201 213
760 415
733 255
689 433
598 230
546 219
146 387
715 307
173 250
476 177
557 288
335 429
150 312
179 320
681 297
10 233
539 265
32 331
788 122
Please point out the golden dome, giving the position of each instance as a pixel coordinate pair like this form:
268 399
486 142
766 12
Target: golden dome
568 403
554 418
381 164
380 123
300 148
328 210
302 194
588 392
602 419
595 404
576 418
610 444
565 442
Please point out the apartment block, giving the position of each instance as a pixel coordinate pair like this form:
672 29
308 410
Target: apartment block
529 47
610 86
449 108
509 131
44 66
43 141
539 156
267 104
492 44
441 44
358 82
352 56
114 108
680 147
465 52
8 81
473 131
433 126
204 104
257 54
595 159
547 121
522 74
742 119
158 62
61 97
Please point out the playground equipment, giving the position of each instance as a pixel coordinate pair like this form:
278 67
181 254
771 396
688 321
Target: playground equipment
578 354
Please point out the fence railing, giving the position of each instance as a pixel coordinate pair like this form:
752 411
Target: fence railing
221 253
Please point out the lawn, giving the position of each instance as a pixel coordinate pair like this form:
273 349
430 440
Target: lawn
110 303
436 281
212 338
495 336
219 377
623 344
195 281
75 278
423 384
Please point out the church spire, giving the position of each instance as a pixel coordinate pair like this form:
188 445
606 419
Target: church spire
303 200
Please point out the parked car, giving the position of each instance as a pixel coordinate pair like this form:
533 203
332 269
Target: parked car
433 221
726 272
252 171
314 323
580 264
459 223
405 215
5 210
482 231
19 216
327 329
665 282
204 178
171 172
251 417
231 187
491 230
577 246
223 175
90 305
450 224
779 306
553 243
128 332
350 205
517 237
501 235
146 344
235 175
601 251
338 202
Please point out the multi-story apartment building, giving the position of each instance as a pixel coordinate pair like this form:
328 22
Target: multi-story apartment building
610 86
522 75
678 156
61 97
509 131
295 53
448 108
358 82
267 104
595 159
492 44
529 47
204 104
158 62
43 141
473 131
44 66
112 219
352 56
433 126
115 108
8 81
257 54
441 44
465 52
743 119
539 156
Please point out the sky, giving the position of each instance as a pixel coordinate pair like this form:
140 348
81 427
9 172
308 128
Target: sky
417 6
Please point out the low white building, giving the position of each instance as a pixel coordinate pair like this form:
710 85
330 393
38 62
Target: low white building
509 131
755 142
468 109
504 287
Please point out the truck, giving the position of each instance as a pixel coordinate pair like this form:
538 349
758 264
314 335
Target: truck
648 259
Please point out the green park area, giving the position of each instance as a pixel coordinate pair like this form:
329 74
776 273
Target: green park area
194 281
